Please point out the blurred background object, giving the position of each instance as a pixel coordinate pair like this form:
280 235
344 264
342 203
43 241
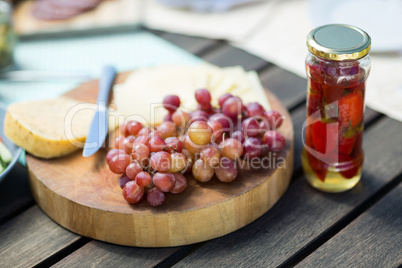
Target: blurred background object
381 18
235 24
204 5
61 9
67 17
7 37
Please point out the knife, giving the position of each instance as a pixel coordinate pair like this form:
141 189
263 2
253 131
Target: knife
99 125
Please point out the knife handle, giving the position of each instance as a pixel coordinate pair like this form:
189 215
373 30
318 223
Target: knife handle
105 84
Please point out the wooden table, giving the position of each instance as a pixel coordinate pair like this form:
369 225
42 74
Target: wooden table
306 228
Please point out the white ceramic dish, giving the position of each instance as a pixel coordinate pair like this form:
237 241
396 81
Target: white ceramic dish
14 149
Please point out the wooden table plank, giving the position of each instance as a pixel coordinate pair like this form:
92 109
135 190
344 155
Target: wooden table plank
373 240
195 45
303 213
109 255
226 55
289 88
30 238
15 194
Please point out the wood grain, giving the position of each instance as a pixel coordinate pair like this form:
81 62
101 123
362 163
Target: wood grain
109 14
228 56
82 195
195 45
303 213
288 87
108 255
373 240
31 237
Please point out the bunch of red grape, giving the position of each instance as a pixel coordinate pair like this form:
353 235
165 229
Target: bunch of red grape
206 142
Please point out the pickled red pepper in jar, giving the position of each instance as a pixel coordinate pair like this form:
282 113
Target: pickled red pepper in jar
337 67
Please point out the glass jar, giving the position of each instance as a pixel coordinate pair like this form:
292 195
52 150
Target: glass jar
337 67
7 36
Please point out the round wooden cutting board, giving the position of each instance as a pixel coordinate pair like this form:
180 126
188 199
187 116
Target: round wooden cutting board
82 195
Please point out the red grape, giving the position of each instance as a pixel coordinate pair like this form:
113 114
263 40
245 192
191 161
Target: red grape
191 146
217 131
274 119
203 96
141 140
128 144
250 127
180 118
133 169
161 161
155 197
119 163
238 135
231 148
119 142
180 184
254 109
200 133
145 131
179 162
202 172
171 102
274 140
232 107
225 121
153 134
223 98
190 161
143 179
226 171
198 116
205 107
173 145
264 125
112 153
156 144
164 181
167 129
252 147
122 128
132 128
210 155
168 117
140 152
132 192
123 180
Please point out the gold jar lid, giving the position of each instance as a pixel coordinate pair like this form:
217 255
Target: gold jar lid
338 42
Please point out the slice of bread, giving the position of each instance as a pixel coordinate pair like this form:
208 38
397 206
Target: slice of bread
50 128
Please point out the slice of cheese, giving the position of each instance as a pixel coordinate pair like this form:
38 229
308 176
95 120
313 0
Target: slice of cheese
258 90
140 97
51 128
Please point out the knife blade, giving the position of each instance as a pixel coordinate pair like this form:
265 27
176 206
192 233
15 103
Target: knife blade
99 125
